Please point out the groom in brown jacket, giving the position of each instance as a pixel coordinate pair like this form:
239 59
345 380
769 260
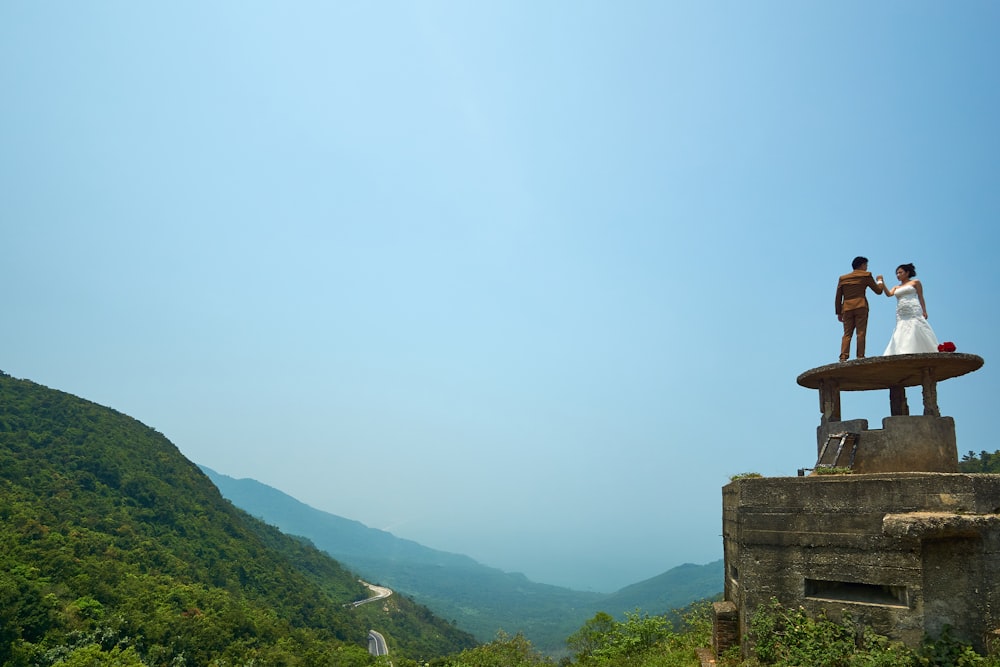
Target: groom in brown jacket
852 304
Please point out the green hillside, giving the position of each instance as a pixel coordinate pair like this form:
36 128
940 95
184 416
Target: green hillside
480 599
671 590
115 549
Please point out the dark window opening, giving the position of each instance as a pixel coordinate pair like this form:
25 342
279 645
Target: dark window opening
849 591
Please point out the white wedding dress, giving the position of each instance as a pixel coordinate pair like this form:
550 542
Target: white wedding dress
912 334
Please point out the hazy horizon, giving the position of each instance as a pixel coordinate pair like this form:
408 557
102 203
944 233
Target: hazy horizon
584 584
530 281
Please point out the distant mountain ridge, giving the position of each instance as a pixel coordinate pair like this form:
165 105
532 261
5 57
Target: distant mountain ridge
353 538
478 598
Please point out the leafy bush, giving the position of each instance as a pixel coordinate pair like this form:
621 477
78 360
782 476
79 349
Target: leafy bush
789 637
504 651
641 640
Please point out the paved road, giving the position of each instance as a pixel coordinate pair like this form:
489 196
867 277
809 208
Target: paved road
376 644
380 594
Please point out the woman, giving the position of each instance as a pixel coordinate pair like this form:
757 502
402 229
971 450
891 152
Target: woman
912 334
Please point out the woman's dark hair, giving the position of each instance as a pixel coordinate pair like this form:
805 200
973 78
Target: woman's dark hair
911 271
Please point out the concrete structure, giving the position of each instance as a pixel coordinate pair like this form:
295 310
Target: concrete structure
905 443
905 544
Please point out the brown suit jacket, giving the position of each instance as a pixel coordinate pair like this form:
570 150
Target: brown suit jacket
851 290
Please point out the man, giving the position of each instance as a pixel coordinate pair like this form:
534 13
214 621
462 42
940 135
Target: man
852 304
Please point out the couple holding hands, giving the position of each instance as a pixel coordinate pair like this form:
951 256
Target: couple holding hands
912 333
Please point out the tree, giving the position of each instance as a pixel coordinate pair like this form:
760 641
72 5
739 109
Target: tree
504 651
92 656
984 462
602 640
591 636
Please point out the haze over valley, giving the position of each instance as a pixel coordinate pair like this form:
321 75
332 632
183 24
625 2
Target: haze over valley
480 599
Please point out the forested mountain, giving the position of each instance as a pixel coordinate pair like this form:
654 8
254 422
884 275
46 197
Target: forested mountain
669 591
115 549
478 598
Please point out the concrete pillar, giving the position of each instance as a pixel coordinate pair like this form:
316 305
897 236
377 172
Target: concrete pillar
931 408
829 400
897 401
725 626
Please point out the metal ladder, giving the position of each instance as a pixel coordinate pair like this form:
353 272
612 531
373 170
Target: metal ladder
826 460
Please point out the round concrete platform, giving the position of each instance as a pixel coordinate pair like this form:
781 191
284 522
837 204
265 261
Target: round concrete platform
901 370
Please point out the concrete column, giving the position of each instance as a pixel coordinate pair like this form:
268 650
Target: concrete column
931 408
725 626
829 401
897 401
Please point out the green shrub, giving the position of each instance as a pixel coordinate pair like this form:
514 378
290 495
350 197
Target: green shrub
833 470
745 475
788 637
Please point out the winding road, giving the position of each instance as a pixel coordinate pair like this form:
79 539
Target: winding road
380 594
376 644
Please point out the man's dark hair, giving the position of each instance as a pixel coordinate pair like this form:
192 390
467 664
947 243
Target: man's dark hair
859 262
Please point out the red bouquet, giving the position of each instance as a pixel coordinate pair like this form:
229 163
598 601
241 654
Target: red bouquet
946 347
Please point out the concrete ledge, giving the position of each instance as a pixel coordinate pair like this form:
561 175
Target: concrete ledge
925 525
904 370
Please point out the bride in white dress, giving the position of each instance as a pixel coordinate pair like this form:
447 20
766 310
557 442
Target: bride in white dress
912 334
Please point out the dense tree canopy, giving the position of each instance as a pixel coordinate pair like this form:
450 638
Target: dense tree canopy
984 462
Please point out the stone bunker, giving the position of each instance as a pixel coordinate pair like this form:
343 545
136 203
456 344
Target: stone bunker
905 543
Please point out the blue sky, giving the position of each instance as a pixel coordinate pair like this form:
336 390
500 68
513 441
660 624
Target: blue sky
527 281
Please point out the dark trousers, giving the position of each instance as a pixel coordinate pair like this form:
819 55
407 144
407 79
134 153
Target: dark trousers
854 320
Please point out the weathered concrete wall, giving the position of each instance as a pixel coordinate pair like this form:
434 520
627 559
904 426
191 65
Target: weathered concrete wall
903 444
904 553
725 627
